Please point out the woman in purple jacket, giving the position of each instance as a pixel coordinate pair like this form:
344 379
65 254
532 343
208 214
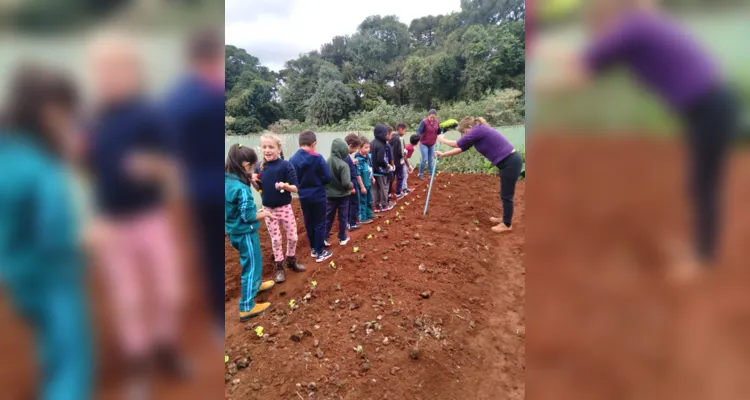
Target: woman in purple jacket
665 59
475 132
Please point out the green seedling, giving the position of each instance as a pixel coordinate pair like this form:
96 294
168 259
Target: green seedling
314 283
358 349
259 330
291 303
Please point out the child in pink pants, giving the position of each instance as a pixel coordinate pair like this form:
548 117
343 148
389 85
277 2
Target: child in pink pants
276 180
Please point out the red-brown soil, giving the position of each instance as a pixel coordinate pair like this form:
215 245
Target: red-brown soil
604 322
469 333
18 372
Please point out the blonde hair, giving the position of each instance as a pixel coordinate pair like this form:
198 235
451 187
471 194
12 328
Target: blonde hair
277 140
469 122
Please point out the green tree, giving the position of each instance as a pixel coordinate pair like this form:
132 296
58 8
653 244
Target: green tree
422 31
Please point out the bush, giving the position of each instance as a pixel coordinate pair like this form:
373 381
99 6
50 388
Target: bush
471 162
500 108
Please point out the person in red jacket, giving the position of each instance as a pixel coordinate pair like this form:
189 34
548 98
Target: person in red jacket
428 131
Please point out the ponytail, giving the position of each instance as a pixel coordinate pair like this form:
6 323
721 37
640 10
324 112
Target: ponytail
239 154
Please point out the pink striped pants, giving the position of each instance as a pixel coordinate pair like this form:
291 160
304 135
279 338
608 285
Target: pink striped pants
283 216
145 281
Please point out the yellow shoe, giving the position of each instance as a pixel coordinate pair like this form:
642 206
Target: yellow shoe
257 310
265 286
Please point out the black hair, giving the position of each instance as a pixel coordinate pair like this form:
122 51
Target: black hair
414 139
307 138
239 154
34 89
400 126
352 139
205 44
432 112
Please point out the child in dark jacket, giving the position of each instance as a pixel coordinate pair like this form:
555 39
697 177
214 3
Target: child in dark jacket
276 180
391 167
312 174
380 165
338 190
398 158
352 140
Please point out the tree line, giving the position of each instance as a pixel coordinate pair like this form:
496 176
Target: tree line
462 56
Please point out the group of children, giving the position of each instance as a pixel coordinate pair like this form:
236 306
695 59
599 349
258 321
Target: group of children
355 182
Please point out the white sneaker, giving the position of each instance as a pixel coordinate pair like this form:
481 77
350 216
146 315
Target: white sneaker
345 241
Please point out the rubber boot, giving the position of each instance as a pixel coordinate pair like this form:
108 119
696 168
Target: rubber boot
279 274
291 263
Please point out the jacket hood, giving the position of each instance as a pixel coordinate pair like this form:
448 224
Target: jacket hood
306 158
381 132
339 149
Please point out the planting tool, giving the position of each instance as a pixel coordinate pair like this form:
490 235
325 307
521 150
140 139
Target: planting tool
432 178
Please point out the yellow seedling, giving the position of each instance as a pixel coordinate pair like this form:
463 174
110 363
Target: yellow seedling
369 236
291 303
356 249
333 265
226 359
259 330
397 214
402 209
388 221
315 283
378 228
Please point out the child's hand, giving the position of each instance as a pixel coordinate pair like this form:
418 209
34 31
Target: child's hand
411 169
363 189
254 177
280 186
355 161
264 214
353 191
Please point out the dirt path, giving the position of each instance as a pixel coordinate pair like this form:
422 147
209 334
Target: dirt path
604 323
464 340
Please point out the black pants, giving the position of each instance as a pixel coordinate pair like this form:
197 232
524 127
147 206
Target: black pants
354 206
712 122
399 178
340 205
210 232
314 215
510 170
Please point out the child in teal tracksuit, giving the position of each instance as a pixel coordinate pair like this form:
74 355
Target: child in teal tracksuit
364 182
42 263
241 221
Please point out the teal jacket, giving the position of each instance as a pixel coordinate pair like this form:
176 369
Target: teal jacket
341 179
240 213
364 166
39 229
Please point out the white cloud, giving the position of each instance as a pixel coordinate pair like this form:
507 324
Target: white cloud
278 31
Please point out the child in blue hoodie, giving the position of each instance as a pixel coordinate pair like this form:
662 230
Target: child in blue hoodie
364 181
312 174
242 221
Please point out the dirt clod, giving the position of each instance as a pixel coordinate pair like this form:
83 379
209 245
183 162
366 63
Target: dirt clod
426 294
414 353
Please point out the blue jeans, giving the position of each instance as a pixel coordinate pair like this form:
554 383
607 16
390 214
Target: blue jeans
428 155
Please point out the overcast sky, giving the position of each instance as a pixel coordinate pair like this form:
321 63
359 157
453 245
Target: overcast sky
276 31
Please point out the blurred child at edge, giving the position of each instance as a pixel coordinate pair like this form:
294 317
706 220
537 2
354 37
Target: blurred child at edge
42 266
352 140
242 221
312 174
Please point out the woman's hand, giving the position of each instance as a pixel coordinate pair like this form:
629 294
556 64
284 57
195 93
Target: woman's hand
439 154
